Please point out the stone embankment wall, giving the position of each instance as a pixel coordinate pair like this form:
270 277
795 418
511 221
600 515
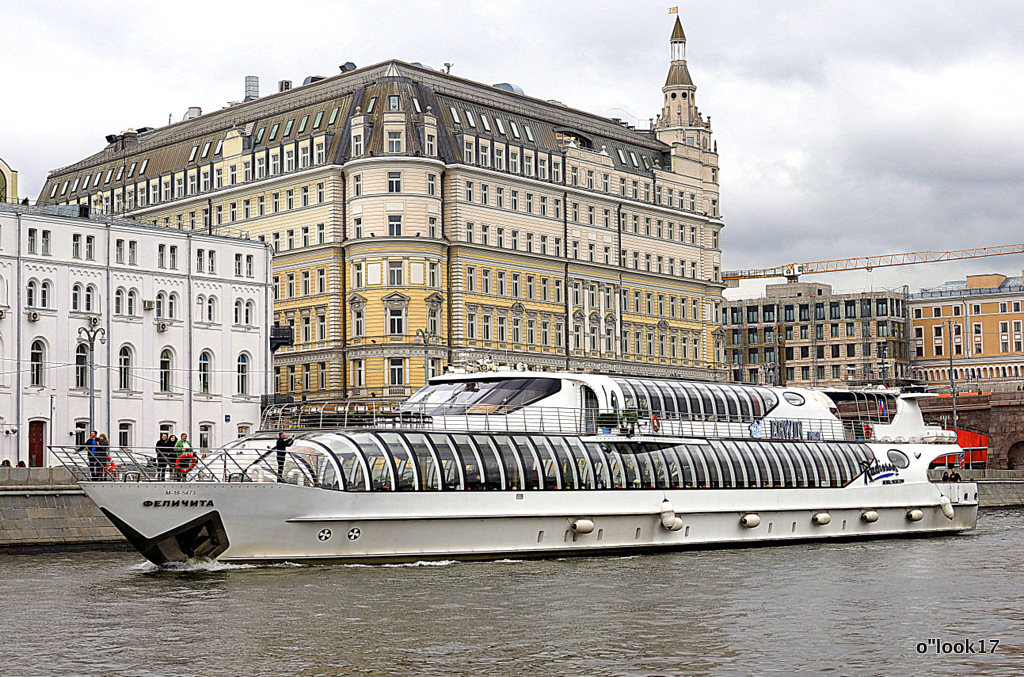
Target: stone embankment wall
44 508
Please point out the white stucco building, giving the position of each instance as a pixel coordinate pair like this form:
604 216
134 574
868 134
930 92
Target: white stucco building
184 316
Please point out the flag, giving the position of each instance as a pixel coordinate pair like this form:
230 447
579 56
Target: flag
673 10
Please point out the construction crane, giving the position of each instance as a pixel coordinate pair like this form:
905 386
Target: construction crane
793 271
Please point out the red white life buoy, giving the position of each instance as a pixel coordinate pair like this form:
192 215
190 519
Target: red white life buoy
655 423
110 465
868 432
185 462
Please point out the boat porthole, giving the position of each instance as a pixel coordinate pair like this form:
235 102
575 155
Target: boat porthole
324 535
353 534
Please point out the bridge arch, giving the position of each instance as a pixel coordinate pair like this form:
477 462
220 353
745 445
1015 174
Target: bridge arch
1015 456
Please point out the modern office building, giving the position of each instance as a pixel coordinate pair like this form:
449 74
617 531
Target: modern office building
804 334
421 219
976 321
173 325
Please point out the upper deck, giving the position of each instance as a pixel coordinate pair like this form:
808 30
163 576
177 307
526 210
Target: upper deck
614 407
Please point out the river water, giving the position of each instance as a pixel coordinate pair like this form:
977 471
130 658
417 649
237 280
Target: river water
864 607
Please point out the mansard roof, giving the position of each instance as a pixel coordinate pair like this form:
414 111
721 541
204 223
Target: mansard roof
332 102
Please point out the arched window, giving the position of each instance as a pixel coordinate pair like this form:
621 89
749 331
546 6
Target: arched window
90 299
133 297
32 294
119 302
44 294
76 297
81 366
201 307
36 356
161 301
124 368
238 311
243 374
172 301
166 364
211 309
250 310
205 369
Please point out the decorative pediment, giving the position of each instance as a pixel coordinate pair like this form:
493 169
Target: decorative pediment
609 319
435 301
578 317
518 308
356 302
663 326
396 301
595 319
719 334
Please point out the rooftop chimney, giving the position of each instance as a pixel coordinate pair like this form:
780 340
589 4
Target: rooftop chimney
192 112
284 85
252 87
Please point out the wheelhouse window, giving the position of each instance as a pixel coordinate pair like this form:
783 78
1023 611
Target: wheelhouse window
481 397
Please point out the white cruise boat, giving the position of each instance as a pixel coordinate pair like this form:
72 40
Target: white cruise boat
514 464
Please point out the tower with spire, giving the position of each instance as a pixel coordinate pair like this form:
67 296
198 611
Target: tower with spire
680 120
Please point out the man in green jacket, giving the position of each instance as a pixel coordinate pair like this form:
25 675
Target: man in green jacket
182 448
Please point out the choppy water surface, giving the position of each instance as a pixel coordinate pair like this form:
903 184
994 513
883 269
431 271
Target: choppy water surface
853 608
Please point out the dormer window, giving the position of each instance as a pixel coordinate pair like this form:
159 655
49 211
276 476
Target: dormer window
195 149
394 142
529 133
288 128
318 119
393 102
273 131
369 106
334 115
515 128
500 125
485 123
455 115
416 105
470 119
206 150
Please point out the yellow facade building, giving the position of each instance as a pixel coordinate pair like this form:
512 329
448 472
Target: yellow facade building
978 321
421 219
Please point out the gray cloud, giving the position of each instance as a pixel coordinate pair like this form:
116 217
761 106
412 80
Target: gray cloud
844 128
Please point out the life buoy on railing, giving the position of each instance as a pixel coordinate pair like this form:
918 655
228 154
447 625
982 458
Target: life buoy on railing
655 423
185 462
868 432
110 465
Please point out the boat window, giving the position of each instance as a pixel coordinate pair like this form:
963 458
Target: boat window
678 471
775 475
566 463
630 470
744 397
628 395
832 463
657 405
801 470
667 398
736 461
729 476
618 478
849 467
531 464
430 477
615 401
660 469
697 472
472 466
600 466
500 396
377 460
721 411
493 477
451 470
350 461
682 401
727 402
584 468
816 465
328 477
705 475
511 462
405 471
648 479
796 399
549 462
764 477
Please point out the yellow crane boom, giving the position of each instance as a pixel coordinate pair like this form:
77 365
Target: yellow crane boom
793 271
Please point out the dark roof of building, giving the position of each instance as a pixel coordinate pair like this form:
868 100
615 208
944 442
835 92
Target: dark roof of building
678 75
333 101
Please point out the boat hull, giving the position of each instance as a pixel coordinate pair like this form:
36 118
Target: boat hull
273 522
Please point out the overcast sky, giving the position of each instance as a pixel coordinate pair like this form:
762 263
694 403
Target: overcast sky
844 128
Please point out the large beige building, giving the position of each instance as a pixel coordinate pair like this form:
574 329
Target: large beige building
979 322
419 216
805 334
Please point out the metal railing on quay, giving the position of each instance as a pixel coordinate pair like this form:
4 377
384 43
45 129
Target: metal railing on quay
357 415
243 461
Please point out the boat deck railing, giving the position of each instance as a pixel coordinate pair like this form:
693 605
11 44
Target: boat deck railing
558 420
257 461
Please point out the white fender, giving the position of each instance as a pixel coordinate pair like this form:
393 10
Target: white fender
582 526
946 506
668 515
750 520
255 474
821 518
677 524
915 515
869 516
